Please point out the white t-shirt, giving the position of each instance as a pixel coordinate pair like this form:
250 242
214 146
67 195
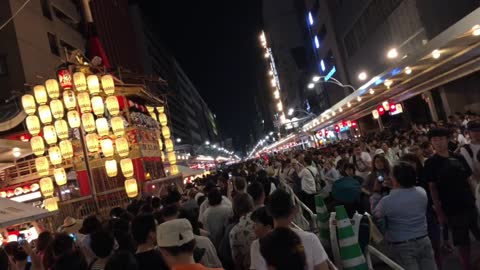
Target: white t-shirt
362 163
314 252
204 206
462 140
308 179
472 162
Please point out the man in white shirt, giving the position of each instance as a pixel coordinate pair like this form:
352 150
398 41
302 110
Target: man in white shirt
209 186
362 161
282 210
308 174
471 153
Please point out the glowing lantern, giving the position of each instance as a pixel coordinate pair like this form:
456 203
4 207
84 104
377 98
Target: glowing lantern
84 102
102 126
38 147
380 110
66 149
160 144
131 188
172 158
79 81
162 117
53 89
122 146
111 167
49 135
42 166
393 108
55 155
174 170
61 128
93 85
69 100
117 126
150 109
65 78
107 147
73 119
154 116
97 106
126 165
375 114
46 186
160 109
33 124
112 105
169 145
28 103
166 132
88 122
40 94
45 114
56 106
51 204
60 176
108 85
399 108
337 128
385 105
92 142
162 156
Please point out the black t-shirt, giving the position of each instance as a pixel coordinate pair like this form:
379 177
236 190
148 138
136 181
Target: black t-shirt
451 178
150 260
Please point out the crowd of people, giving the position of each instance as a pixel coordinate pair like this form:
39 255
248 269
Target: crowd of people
418 185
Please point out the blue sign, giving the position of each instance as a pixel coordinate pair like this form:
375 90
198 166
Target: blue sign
330 73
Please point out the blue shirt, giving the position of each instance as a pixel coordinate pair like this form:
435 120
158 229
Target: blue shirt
403 211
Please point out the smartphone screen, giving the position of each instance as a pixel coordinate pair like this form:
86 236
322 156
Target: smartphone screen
21 239
380 178
74 237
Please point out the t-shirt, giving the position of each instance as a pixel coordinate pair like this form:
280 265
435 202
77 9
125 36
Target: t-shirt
210 257
215 220
308 179
314 252
205 205
151 260
361 164
450 174
241 237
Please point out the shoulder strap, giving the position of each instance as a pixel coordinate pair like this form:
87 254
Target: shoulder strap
310 172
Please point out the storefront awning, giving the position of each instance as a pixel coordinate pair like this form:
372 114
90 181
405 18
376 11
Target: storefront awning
13 213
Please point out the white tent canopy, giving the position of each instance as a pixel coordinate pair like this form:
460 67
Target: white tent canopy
13 213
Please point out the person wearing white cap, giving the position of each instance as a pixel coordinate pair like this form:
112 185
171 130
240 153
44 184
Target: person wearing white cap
176 241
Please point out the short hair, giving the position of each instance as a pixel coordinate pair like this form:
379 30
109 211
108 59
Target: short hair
72 261
345 167
240 183
101 243
280 204
256 191
214 197
122 260
308 160
169 211
43 241
90 225
185 248
261 216
425 145
116 212
142 225
283 249
405 174
242 204
438 132
62 243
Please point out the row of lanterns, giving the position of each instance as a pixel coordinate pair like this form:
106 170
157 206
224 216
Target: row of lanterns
385 107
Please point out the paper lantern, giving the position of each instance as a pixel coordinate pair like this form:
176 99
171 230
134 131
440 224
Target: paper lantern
33 125
80 81
49 134
169 145
42 166
53 90
102 126
46 186
150 109
69 100
88 122
117 126
97 105
126 165
73 119
64 78
107 147
131 188
108 85
45 114
172 158
38 146
162 156
112 105
111 167
160 109
61 128
160 144
84 102
66 149
60 176
40 94
385 105
154 116
162 118
28 103
92 142
375 114
51 204
93 85
174 170
166 132
121 144
56 107
399 108
55 155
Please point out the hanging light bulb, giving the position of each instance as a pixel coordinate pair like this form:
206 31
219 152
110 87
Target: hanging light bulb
168 145
88 122
80 81
121 144
28 104
33 124
73 119
60 176
84 102
108 85
131 188
66 149
359 98
93 85
162 118
92 142
46 186
97 105
55 155
166 132
102 126
45 114
69 100
126 165
50 135
112 105
53 90
107 147
38 146
40 94
51 204
111 167
56 107
117 126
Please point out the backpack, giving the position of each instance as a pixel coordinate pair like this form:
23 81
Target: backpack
319 183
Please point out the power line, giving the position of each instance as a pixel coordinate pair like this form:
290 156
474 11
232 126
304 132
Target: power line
15 14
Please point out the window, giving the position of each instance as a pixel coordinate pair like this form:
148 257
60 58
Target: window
52 40
66 19
3 65
46 8
67 46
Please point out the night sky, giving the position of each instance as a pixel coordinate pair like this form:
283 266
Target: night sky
216 43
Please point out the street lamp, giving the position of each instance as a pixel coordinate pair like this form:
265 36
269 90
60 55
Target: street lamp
179 140
316 78
392 53
207 143
311 86
362 76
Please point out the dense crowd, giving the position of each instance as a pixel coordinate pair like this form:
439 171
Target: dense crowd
419 185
